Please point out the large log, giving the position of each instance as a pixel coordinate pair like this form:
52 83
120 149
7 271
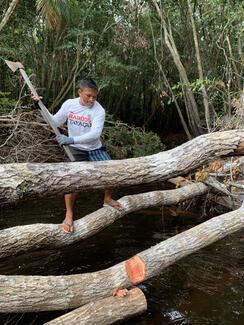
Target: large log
36 293
105 311
30 237
30 181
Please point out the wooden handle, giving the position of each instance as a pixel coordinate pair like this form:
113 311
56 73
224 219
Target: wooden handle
45 113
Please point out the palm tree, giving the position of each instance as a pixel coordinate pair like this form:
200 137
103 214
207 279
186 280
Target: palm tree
54 12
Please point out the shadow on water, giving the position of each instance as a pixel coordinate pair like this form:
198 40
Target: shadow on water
204 288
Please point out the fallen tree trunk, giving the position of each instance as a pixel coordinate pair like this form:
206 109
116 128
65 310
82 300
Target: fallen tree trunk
36 293
105 311
31 181
30 237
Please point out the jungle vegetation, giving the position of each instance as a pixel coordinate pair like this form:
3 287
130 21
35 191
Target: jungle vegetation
162 66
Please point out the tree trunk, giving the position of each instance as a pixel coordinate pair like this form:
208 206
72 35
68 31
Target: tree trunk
30 237
33 181
199 67
166 81
8 13
191 105
105 311
36 293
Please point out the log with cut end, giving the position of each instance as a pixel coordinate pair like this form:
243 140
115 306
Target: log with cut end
29 237
105 311
31 181
36 293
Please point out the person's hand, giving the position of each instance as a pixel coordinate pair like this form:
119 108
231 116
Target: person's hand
64 140
36 98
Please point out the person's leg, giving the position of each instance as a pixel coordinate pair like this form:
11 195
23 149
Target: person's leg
108 200
102 155
69 200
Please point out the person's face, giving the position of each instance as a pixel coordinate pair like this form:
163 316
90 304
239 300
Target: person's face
87 96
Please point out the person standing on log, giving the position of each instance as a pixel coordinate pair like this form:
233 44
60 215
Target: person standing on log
85 119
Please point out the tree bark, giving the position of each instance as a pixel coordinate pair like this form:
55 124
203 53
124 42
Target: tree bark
30 237
166 81
199 67
8 13
191 106
105 311
31 180
36 293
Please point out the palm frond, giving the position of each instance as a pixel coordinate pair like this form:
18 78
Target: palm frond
55 12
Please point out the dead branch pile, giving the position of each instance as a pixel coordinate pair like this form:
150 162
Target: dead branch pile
226 176
25 139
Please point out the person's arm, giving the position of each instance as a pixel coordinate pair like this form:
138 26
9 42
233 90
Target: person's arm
60 117
95 131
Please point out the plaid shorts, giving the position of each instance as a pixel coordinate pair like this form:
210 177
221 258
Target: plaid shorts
93 155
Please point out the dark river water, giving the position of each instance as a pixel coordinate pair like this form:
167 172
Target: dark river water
204 288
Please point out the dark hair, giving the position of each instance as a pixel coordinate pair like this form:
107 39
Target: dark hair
88 83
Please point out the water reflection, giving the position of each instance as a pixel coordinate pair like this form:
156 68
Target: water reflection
204 288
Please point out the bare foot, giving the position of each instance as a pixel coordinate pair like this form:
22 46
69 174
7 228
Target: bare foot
114 204
67 224
67 227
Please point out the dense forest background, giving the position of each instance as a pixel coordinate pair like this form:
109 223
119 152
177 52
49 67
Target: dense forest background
164 66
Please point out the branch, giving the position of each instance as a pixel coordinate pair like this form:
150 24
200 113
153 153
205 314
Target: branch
105 311
31 237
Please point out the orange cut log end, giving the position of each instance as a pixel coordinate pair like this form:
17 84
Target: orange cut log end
135 269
